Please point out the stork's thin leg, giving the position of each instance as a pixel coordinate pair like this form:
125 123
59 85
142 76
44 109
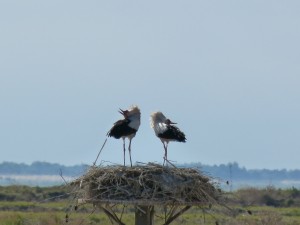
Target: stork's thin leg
124 150
129 150
165 152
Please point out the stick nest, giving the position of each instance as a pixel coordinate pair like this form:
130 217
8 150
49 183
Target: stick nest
151 184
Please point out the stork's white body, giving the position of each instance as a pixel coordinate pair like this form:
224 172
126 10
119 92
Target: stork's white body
165 130
127 127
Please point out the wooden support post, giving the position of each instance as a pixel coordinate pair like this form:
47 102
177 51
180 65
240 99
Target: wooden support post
144 215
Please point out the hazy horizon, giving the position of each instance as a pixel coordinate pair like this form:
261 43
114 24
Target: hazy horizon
226 71
45 174
108 163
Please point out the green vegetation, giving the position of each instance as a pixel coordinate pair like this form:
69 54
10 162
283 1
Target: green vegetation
268 196
260 215
26 193
21 205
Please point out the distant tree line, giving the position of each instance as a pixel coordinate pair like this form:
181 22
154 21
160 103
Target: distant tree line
223 171
41 168
234 171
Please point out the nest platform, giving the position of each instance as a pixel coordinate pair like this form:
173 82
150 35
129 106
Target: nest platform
146 185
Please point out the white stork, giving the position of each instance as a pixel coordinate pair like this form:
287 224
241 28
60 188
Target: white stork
166 131
127 127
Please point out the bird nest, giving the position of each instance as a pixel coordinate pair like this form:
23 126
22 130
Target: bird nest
150 184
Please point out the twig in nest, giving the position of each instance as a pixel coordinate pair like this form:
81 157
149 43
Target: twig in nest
111 214
61 175
139 208
82 220
172 218
122 212
168 161
99 152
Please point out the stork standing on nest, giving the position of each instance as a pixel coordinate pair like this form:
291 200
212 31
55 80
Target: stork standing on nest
166 131
127 127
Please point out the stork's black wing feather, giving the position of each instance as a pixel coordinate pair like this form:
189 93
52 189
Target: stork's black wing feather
173 133
121 129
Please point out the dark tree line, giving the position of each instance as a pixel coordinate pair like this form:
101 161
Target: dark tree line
223 171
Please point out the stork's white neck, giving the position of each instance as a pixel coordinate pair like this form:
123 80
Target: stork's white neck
135 121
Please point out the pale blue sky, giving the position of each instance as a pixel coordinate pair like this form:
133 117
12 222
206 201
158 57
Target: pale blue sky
227 72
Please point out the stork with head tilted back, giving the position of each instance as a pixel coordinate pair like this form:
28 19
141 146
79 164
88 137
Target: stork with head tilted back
127 127
166 131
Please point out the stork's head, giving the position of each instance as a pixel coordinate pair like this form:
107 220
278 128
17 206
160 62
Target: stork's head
132 113
168 122
124 112
157 117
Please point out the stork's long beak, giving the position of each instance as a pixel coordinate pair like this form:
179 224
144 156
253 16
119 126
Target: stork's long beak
122 112
168 121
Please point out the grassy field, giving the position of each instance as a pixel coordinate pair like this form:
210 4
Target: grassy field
54 213
20 205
